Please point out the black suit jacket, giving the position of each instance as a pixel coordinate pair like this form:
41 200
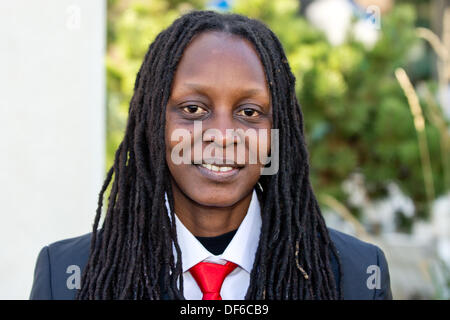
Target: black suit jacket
365 273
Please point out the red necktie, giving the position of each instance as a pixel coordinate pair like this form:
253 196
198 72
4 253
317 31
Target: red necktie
210 276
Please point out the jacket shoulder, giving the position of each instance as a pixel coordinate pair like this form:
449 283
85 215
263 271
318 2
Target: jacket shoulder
58 269
364 270
350 243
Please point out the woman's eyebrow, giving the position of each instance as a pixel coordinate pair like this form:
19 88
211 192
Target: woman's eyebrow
243 91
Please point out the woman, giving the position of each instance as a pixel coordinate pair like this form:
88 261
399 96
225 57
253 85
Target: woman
174 227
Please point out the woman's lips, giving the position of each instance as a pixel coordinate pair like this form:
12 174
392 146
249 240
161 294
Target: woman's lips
218 173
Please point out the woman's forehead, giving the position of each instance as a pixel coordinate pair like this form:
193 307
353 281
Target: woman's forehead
217 58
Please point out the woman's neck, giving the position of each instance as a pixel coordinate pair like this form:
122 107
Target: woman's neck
207 221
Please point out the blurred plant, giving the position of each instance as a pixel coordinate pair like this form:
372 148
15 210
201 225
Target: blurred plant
419 124
433 112
439 273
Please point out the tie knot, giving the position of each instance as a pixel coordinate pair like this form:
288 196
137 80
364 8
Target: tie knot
209 277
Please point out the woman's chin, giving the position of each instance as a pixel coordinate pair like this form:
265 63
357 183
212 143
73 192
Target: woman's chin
215 199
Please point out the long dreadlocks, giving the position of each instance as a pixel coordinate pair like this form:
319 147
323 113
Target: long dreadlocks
132 255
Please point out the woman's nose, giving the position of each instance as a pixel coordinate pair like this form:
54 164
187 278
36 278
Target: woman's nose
221 129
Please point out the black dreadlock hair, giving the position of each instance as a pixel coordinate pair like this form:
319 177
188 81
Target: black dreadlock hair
132 254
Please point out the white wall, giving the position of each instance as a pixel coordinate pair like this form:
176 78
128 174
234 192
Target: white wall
52 97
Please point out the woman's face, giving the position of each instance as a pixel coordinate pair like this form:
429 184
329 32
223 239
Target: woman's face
219 83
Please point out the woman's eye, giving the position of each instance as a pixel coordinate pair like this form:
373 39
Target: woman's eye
193 109
248 112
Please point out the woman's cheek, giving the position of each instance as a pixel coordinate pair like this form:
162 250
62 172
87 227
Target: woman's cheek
179 145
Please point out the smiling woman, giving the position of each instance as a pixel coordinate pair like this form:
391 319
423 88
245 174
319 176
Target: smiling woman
213 227
219 81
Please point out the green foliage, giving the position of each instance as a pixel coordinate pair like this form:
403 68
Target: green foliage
357 117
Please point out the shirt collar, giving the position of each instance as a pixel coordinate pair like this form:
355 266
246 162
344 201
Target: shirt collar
241 250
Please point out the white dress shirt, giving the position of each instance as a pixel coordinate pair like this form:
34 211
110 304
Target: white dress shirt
241 251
